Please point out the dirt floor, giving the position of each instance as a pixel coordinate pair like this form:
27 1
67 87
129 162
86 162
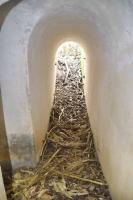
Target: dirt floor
69 167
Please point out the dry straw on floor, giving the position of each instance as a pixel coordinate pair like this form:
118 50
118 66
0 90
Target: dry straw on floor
69 167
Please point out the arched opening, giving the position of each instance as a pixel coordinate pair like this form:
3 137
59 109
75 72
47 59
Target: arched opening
29 38
70 63
69 166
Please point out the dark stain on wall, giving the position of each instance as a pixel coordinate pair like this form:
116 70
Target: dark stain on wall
21 149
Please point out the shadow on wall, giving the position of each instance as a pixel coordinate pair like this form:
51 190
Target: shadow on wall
5 161
5 9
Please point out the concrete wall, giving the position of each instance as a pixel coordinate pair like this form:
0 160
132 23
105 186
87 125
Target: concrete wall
29 39
5 7
4 149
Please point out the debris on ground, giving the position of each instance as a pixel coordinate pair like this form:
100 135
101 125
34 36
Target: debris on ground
69 166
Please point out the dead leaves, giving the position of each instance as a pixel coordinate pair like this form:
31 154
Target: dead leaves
61 188
44 196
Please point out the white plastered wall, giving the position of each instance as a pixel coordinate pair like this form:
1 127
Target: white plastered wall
29 39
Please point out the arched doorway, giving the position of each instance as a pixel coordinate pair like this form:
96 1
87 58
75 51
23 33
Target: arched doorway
28 45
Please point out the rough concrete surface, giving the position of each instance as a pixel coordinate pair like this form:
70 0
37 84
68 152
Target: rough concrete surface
29 38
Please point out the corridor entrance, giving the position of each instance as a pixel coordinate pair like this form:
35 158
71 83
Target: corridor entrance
29 38
69 166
